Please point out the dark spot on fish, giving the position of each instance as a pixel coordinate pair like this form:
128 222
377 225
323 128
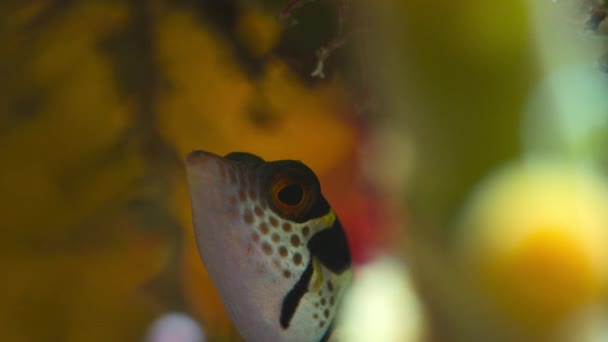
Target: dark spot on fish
323 301
286 274
315 316
283 251
258 211
264 228
286 227
295 240
276 237
306 231
252 194
274 222
297 258
326 313
267 248
255 237
330 286
321 324
331 248
293 297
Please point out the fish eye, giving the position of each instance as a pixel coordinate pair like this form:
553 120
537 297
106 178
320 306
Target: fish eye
291 194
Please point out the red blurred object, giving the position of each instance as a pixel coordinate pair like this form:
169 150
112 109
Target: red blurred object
364 213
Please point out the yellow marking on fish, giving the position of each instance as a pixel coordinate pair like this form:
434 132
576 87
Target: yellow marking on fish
317 275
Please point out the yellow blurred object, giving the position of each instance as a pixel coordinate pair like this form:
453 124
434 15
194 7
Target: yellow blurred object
80 290
75 254
533 239
259 31
49 161
551 256
215 107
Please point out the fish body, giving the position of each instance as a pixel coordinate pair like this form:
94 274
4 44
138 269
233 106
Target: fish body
271 243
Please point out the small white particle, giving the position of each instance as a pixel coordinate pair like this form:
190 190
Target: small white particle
175 327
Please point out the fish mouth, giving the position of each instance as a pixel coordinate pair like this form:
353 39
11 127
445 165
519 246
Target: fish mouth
198 157
203 166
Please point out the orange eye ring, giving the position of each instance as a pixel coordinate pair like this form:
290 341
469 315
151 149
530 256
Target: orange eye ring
290 195
292 192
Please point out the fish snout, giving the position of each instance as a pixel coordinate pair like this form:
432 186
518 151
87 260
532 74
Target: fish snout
204 166
198 157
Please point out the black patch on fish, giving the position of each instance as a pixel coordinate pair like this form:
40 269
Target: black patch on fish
330 246
293 297
244 157
320 209
327 334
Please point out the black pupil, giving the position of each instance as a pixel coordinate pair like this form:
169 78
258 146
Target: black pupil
291 194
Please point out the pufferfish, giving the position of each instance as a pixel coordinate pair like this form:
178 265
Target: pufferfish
272 245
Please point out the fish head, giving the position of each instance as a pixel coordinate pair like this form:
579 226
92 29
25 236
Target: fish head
271 243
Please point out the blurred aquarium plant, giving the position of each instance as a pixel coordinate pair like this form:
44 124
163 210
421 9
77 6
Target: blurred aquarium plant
502 111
